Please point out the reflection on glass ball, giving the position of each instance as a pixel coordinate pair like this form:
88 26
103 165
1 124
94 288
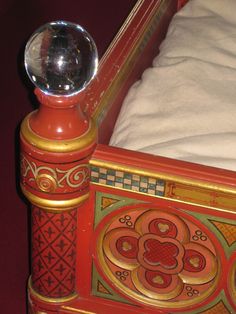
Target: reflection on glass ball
61 58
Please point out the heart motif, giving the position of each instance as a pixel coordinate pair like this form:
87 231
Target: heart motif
163 227
158 279
126 246
195 262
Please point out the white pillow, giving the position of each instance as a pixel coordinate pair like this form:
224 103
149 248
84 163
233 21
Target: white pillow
185 105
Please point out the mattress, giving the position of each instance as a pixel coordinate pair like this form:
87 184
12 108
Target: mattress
184 106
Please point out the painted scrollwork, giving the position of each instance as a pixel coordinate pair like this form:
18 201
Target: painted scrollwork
49 179
161 263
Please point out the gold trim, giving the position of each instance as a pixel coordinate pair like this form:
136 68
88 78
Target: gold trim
47 299
163 176
58 146
113 259
209 276
74 177
156 296
77 310
54 205
46 182
232 282
220 209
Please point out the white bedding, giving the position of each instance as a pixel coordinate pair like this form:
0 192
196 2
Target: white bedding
185 105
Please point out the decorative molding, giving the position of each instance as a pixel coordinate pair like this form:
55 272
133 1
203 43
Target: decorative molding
58 146
54 205
183 273
182 189
127 181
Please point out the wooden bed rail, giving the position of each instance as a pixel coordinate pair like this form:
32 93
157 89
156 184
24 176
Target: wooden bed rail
131 51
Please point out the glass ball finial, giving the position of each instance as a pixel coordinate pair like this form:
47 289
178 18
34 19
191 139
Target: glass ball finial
61 58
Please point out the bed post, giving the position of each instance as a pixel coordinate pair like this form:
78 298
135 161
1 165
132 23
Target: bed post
56 144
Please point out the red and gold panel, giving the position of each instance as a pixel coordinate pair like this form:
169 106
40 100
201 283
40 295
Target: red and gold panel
158 257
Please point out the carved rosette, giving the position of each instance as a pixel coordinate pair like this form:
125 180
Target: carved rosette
53 252
158 258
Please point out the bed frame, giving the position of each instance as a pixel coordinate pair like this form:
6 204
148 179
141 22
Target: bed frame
115 230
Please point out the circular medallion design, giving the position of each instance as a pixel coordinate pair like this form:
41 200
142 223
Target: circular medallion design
155 260
46 183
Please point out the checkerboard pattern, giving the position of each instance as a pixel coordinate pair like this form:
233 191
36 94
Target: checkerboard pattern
127 181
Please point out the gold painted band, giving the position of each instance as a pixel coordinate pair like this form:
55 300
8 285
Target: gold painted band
58 146
54 205
164 176
48 299
80 311
196 203
232 282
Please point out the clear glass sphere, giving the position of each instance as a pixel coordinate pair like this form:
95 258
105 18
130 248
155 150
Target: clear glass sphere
61 58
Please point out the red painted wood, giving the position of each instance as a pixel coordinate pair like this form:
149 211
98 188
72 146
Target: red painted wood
165 165
18 20
181 3
169 207
144 60
59 118
87 236
84 261
54 252
163 202
113 62
55 176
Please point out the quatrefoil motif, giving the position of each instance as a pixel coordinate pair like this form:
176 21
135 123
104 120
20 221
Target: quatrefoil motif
163 254
159 255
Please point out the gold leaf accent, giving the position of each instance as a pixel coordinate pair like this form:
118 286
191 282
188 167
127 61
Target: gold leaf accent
194 262
106 202
46 183
58 146
158 279
163 227
227 230
48 179
126 246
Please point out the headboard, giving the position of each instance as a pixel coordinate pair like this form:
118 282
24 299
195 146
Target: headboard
116 230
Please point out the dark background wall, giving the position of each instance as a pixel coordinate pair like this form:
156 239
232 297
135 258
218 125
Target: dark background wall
18 19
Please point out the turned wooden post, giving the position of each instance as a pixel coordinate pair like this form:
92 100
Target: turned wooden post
57 141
